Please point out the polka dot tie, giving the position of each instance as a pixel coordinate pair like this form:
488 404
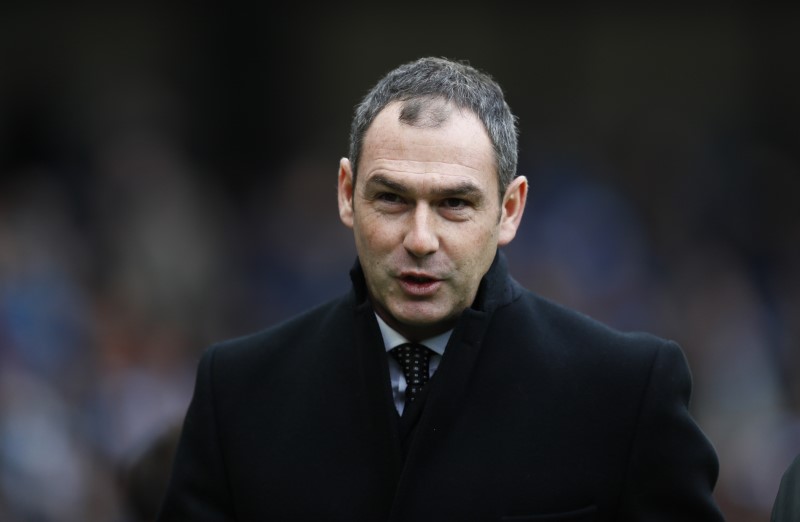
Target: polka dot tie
413 359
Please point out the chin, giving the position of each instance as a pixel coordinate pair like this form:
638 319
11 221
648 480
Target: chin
419 317
428 322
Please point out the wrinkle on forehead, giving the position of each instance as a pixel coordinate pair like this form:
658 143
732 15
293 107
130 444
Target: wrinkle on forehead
460 148
430 168
388 130
435 184
439 184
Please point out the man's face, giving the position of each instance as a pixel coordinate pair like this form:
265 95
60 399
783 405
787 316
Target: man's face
426 217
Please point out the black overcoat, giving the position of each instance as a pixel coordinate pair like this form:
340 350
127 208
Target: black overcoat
787 503
536 412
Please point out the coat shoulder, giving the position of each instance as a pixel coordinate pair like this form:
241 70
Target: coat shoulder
287 341
572 333
558 316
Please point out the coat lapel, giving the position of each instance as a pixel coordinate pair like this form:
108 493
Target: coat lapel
446 390
375 383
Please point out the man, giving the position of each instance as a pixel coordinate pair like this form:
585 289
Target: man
787 502
496 404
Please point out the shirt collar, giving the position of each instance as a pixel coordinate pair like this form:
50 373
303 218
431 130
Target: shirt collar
392 338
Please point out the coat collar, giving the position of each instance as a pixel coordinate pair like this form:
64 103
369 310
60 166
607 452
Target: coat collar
406 450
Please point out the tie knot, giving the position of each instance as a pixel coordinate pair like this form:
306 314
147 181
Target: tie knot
414 360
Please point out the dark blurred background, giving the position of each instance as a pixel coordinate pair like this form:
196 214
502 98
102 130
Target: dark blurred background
168 178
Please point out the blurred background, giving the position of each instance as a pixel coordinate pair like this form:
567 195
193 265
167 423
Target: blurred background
168 178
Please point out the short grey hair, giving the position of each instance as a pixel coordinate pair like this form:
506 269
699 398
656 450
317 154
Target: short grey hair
419 84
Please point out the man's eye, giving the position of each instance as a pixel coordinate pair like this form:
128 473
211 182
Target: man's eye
388 197
454 203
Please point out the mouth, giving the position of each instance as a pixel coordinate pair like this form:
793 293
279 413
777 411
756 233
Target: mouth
419 285
417 279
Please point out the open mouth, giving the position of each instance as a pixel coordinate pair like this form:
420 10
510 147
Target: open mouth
419 286
418 279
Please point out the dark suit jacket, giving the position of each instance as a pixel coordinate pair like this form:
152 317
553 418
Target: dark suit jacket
535 413
787 503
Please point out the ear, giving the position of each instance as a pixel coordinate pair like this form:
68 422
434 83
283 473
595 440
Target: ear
512 209
345 192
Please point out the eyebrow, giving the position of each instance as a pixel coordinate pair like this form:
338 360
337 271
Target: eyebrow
461 189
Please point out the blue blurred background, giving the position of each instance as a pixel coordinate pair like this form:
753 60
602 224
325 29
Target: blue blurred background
168 178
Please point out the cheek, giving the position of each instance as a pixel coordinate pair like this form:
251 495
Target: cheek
475 250
373 242
378 234
374 245
475 240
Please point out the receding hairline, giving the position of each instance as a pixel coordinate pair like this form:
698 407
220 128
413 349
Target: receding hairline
429 112
484 149
455 81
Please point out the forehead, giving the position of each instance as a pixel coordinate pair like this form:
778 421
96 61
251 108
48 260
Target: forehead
459 146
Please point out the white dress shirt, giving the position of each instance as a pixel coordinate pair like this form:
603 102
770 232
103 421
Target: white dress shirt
391 339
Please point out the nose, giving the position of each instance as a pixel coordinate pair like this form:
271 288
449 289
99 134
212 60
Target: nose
421 238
